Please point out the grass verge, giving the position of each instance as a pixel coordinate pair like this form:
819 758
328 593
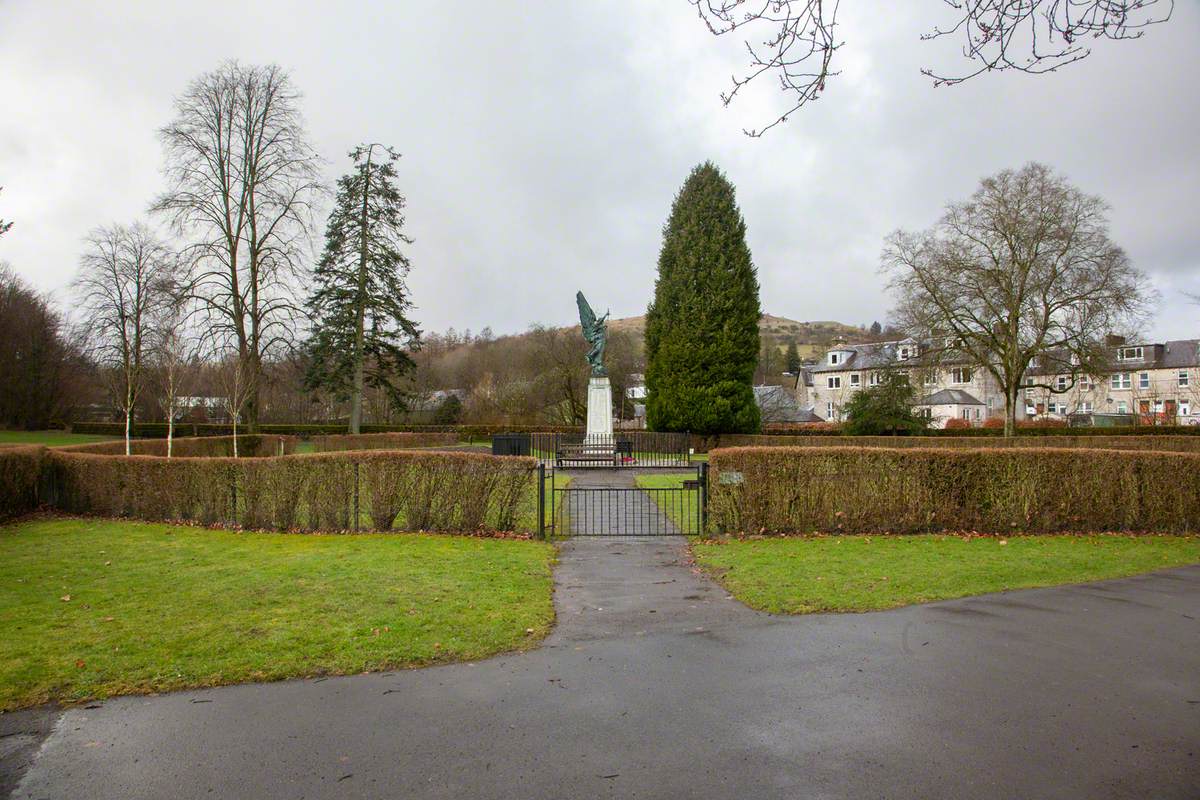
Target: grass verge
801 575
49 438
680 507
93 608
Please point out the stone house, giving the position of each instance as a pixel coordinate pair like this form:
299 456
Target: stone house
1159 383
949 388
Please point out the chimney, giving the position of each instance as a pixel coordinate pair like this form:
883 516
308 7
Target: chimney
1112 340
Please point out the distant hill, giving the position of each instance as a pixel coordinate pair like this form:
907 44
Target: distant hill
812 338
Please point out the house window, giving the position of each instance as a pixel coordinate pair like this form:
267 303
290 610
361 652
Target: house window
966 413
875 379
829 411
1129 354
1185 407
1085 382
960 375
928 380
926 412
903 354
1085 407
1030 410
1122 407
1158 406
1120 380
1143 380
1183 377
1052 407
834 382
834 358
854 379
1061 383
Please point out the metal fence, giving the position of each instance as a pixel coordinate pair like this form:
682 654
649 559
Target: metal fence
576 510
629 449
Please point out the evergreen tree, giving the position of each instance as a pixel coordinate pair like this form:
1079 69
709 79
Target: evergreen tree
884 410
793 358
876 329
360 303
702 327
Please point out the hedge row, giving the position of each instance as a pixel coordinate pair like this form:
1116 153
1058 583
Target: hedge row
383 441
462 492
20 475
1179 444
158 430
860 489
193 447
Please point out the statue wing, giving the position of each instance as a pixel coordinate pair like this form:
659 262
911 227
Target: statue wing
587 317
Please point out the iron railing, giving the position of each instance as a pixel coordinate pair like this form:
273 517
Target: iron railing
630 449
582 510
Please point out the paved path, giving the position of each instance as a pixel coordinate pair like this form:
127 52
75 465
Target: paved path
604 502
656 685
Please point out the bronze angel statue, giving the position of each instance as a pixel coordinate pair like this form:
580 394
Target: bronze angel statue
595 333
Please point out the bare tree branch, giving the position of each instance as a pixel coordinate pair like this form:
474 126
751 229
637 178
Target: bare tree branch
795 40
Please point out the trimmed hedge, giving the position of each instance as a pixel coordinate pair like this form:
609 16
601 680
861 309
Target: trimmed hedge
430 491
249 445
383 441
158 430
994 490
20 476
1179 444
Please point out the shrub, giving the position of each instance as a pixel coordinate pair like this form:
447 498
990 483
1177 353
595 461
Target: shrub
994 422
857 489
434 491
193 447
956 424
886 408
20 474
965 439
383 441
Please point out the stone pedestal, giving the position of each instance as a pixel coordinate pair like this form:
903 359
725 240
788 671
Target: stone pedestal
599 411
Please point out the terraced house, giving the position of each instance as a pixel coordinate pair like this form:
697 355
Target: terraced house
1159 383
1151 383
950 389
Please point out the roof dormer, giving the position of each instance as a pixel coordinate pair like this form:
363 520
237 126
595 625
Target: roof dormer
836 358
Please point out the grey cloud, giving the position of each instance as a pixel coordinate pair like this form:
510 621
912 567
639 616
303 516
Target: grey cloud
543 142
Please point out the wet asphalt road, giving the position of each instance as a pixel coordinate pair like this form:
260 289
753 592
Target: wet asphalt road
656 685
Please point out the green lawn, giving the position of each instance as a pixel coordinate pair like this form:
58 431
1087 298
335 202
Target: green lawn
49 438
91 608
681 508
862 573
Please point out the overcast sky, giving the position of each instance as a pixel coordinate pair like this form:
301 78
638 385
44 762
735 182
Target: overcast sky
543 142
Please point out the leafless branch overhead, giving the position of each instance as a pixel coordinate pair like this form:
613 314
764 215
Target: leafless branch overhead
796 39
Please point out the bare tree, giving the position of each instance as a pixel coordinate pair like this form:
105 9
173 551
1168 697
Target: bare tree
795 40
122 281
175 354
242 183
1023 274
238 381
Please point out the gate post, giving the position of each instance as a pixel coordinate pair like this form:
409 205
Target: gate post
703 498
541 526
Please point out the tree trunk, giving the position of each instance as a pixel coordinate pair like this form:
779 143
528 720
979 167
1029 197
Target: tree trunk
356 393
235 453
170 426
128 424
1010 411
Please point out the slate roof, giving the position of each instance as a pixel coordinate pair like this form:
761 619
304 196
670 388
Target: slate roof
881 355
779 405
1175 354
949 397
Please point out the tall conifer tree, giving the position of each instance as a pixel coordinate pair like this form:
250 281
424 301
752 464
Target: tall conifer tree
359 305
702 327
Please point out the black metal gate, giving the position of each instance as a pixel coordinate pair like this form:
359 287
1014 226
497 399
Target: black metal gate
588 510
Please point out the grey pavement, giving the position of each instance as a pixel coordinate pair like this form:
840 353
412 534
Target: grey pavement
655 684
